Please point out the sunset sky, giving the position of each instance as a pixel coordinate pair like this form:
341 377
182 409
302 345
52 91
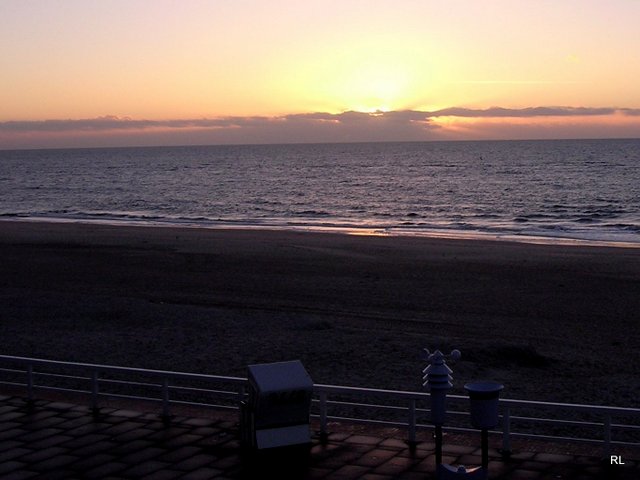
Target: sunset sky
160 72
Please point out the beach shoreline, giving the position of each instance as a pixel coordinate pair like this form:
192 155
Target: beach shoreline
543 319
367 231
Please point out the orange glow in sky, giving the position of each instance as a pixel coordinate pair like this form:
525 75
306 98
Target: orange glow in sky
166 60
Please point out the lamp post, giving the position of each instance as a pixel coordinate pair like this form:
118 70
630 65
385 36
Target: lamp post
438 380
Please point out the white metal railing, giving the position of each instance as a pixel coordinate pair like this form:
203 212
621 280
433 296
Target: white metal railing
338 403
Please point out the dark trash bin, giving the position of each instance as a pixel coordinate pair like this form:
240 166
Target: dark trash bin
276 412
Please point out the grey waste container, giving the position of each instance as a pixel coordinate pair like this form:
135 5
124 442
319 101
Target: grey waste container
276 412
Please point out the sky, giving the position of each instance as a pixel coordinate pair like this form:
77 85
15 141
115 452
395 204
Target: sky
81 73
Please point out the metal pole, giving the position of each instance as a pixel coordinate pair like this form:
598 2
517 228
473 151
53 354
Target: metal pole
323 415
485 448
438 435
241 392
165 397
607 436
506 432
94 390
412 421
30 382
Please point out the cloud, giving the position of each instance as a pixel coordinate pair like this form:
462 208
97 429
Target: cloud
630 111
111 122
495 112
320 127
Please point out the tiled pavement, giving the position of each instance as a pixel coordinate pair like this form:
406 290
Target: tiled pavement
53 440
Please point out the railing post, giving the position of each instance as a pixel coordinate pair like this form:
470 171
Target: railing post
241 393
30 382
607 436
506 432
94 390
165 397
323 416
412 421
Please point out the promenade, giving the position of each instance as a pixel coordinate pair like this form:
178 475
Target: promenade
55 440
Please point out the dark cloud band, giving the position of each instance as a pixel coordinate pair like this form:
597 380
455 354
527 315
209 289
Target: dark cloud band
407 117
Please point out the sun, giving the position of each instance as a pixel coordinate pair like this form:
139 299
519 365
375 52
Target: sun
372 89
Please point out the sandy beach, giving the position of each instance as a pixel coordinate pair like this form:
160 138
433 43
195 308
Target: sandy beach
555 323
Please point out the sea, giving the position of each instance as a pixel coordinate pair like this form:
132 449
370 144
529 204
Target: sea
549 191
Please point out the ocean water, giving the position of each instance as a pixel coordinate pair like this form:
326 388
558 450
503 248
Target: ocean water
572 189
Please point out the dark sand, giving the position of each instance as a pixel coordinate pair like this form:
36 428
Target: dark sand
555 323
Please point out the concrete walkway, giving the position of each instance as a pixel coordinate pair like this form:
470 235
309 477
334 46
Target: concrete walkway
53 440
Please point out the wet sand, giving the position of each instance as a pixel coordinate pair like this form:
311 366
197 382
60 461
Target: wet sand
555 323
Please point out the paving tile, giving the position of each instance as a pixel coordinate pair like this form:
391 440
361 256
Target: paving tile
469 460
213 441
375 476
335 461
142 455
60 405
181 453
10 450
553 458
80 409
497 468
415 476
457 449
70 423
393 443
58 474
524 475
86 429
199 422
521 455
84 440
131 435
534 466
94 448
349 472
321 451
396 465
41 415
145 468
92 461
375 457
127 413
50 441
72 443
429 445
181 440
39 455
105 470
363 439
7 467
8 416
121 428
23 474
227 462
52 463
337 436
131 447
201 474
169 432
164 474
195 462
315 473
205 431
9 425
